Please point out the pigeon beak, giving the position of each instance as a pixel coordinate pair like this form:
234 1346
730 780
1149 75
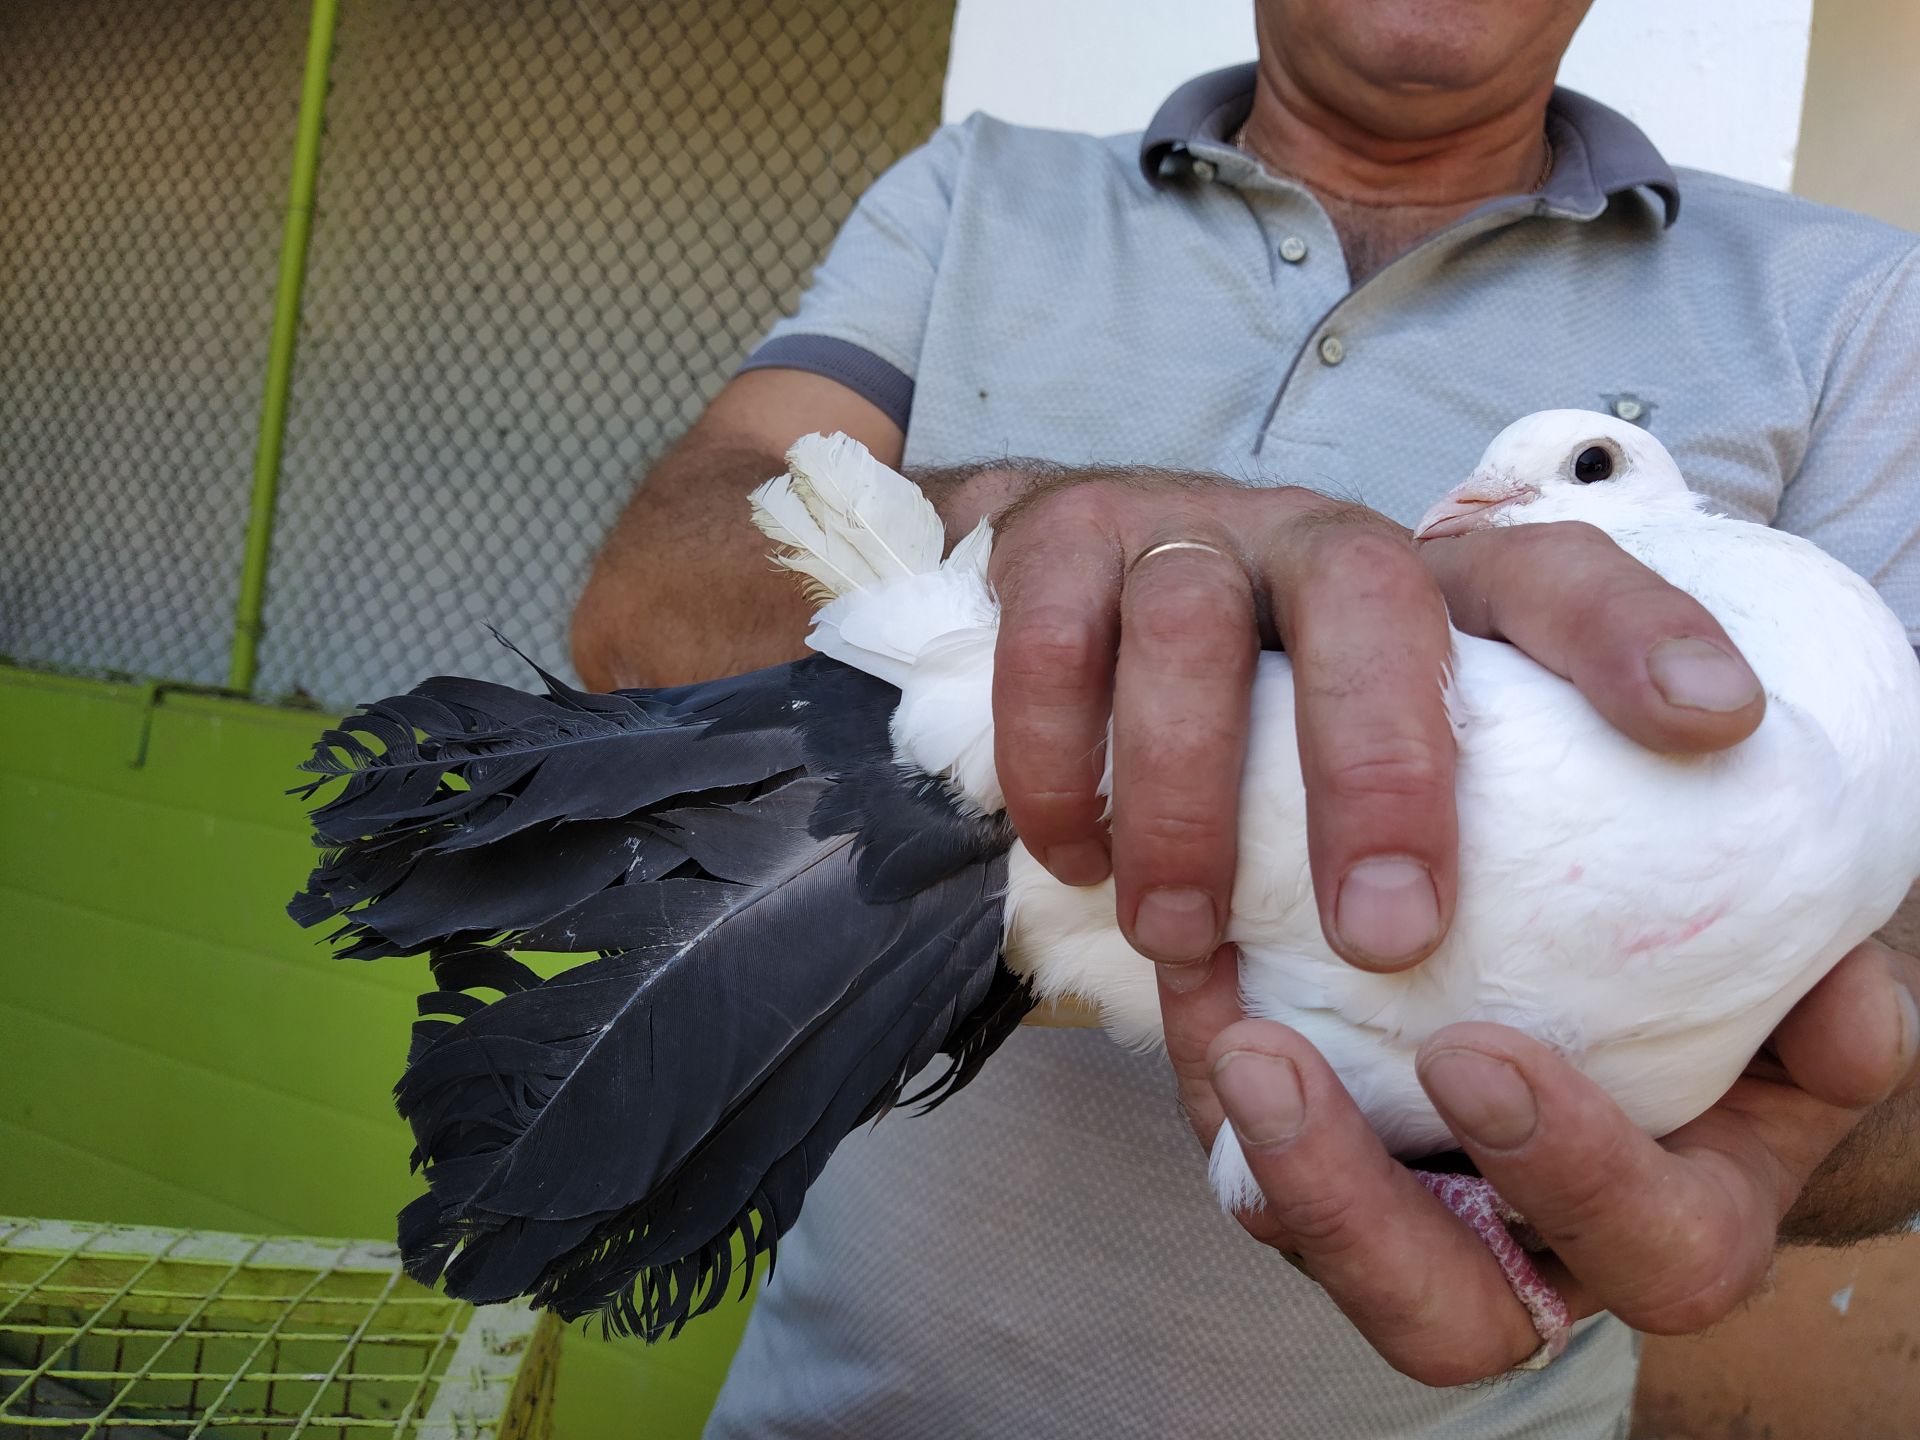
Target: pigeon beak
1470 504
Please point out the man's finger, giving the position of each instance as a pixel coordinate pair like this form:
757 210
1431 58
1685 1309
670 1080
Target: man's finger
1855 1037
1188 642
1417 1283
1058 578
1646 654
1669 1238
1197 1002
1366 629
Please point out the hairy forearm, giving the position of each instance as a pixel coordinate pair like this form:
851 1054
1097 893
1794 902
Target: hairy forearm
1870 1184
682 590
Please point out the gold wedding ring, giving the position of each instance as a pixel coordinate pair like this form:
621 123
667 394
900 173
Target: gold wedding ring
1166 545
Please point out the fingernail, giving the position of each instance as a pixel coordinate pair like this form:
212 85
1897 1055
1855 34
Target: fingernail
1696 674
1078 862
1184 979
1485 1100
1262 1097
1386 909
1174 923
1909 1025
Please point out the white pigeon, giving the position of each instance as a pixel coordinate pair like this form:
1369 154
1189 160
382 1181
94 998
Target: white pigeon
1652 917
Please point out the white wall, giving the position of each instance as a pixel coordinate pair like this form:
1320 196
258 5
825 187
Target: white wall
1716 83
1098 65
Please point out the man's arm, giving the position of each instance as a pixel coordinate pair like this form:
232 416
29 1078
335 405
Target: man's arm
1870 1184
683 590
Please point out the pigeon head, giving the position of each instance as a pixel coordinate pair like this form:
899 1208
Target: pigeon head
1564 465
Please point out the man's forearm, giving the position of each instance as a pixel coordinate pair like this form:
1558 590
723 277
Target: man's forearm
1870 1184
682 590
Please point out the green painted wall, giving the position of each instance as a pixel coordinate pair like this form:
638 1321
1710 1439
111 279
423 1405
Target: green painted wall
176 1051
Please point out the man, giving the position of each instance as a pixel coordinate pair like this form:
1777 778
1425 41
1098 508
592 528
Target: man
1343 268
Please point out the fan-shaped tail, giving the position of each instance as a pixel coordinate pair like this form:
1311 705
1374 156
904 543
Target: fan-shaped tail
788 928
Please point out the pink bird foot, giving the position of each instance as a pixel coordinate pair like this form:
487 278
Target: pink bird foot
1475 1201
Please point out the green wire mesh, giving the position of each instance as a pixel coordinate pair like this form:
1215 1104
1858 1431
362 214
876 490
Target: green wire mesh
545 233
112 1332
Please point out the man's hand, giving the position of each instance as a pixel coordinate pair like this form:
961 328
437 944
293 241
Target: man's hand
1096 620
1669 1235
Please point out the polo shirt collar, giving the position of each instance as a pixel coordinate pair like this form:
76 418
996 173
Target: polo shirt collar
1598 152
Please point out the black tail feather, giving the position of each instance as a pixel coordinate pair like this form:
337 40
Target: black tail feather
788 926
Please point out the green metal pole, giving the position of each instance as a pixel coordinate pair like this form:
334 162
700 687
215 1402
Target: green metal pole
286 328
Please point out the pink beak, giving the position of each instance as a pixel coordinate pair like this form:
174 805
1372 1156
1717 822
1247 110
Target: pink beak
1469 505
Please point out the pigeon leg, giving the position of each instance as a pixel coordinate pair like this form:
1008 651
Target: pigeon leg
1476 1202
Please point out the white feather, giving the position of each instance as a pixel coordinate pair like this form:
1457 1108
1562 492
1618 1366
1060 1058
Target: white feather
871 543
846 521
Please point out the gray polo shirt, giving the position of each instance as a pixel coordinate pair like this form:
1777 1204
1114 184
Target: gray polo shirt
1042 1256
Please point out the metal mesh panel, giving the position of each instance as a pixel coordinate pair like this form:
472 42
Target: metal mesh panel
135 1333
143 171
545 235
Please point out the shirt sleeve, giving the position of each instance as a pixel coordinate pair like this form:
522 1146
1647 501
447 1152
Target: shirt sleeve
1857 491
863 317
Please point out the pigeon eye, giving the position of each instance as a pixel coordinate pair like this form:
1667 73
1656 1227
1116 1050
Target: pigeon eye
1591 464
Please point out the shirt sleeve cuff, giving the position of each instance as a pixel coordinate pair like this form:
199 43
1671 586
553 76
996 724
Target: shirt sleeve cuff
861 371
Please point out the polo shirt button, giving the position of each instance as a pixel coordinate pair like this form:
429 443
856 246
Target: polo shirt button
1331 350
1293 249
1204 170
1628 409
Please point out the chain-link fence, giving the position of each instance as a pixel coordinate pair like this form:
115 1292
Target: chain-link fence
544 235
143 180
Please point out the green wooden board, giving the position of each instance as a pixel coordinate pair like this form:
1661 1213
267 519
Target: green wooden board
178 1052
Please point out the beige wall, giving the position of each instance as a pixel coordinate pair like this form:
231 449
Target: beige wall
1860 127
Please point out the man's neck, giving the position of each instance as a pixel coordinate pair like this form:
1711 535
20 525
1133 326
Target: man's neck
1387 193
